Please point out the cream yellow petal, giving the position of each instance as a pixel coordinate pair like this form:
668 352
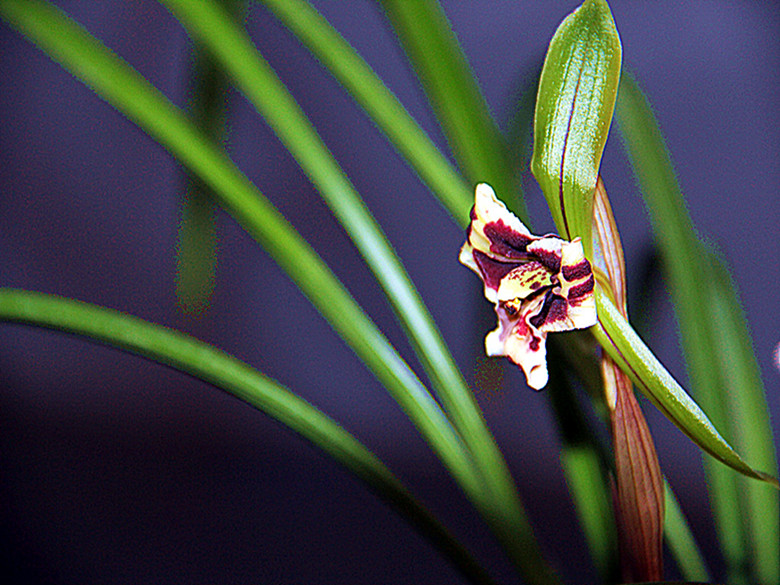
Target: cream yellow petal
520 341
523 281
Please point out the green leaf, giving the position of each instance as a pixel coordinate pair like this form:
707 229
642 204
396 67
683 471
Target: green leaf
233 48
621 342
131 94
196 253
576 98
584 461
196 250
379 103
121 86
585 477
206 362
721 364
450 85
681 542
751 431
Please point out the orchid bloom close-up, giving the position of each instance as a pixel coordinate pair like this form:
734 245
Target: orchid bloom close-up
539 284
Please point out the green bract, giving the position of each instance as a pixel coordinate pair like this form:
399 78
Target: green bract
574 106
575 103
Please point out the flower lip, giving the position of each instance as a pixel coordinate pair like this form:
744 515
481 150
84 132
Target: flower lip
538 284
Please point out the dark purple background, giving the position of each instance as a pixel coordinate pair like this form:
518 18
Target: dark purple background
115 469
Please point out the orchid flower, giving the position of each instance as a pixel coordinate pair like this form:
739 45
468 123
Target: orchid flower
539 284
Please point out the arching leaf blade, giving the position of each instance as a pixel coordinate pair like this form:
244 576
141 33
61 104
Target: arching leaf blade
379 103
497 499
121 86
435 54
622 343
208 363
721 364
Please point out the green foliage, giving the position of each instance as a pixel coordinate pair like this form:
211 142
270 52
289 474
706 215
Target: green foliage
578 88
574 105
721 364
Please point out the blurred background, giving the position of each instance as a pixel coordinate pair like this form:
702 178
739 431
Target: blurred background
115 469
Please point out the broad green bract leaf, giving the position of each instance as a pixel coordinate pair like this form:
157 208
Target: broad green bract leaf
574 106
622 343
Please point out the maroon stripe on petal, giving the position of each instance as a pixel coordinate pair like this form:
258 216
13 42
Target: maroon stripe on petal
555 308
581 290
577 271
550 260
505 241
492 271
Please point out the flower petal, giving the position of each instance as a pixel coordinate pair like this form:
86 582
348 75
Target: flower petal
520 341
539 284
524 280
495 231
577 283
497 240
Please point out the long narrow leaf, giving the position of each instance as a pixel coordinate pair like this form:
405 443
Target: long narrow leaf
619 339
750 426
131 94
479 147
382 106
585 478
721 364
584 461
384 109
196 246
681 542
231 45
208 363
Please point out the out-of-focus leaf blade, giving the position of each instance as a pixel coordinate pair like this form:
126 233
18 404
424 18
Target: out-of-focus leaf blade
585 478
680 541
479 147
750 426
621 342
212 365
584 464
721 364
379 103
196 246
574 106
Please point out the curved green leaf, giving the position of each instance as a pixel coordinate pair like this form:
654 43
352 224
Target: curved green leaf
574 106
722 366
131 94
212 365
681 542
585 477
381 105
433 50
502 508
621 342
